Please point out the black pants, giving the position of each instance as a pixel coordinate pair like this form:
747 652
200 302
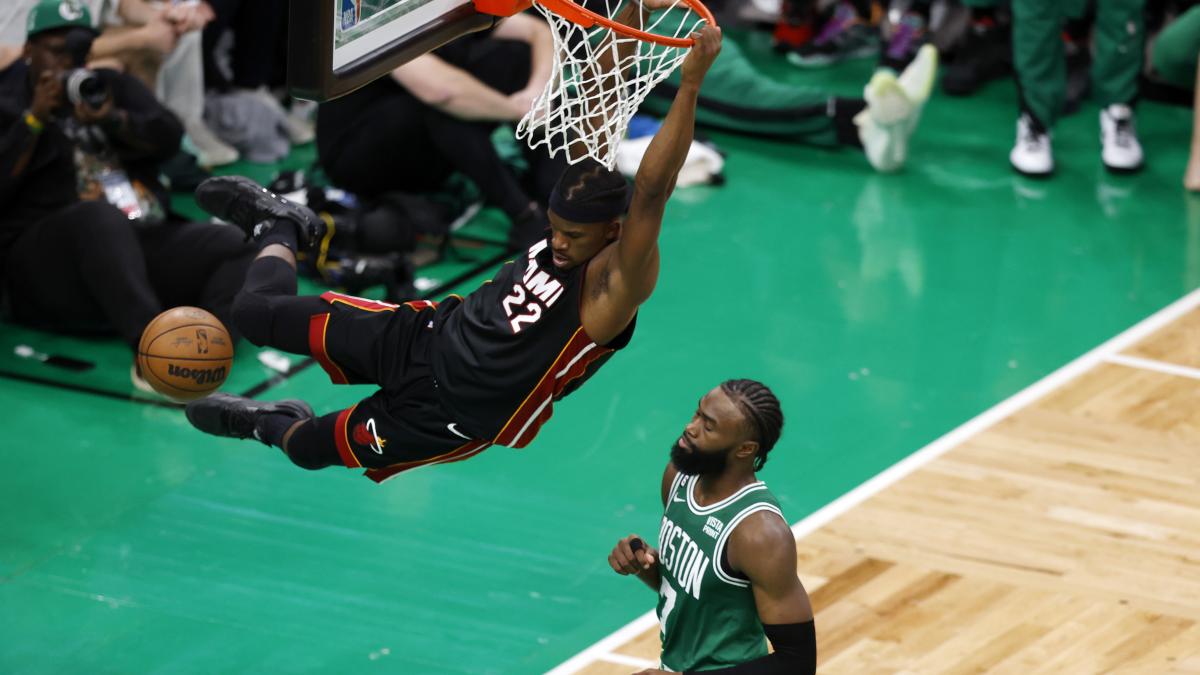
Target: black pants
259 51
86 269
404 145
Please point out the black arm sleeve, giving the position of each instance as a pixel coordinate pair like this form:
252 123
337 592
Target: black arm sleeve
795 653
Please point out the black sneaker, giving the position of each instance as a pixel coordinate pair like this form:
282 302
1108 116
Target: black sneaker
255 209
235 416
985 56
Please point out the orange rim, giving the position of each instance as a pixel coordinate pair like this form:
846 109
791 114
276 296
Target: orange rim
587 18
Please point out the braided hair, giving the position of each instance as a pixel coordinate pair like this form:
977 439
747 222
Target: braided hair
589 192
764 418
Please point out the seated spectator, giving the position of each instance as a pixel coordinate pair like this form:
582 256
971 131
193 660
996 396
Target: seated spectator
435 115
257 59
87 241
1174 60
740 99
158 43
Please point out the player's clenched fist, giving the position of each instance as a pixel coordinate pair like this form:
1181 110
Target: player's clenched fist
631 555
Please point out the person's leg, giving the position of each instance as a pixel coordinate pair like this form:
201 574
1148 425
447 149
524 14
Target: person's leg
200 264
467 146
83 263
394 153
266 310
740 99
1176 49
1191 178
1038 58
1116 65
1117 51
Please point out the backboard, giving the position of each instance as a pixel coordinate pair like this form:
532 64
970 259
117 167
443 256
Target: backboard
336 46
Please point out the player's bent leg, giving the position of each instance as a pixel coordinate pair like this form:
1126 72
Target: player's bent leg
267 313
310 443
240 417
258 211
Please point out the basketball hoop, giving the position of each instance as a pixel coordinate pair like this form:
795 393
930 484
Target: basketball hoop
585 107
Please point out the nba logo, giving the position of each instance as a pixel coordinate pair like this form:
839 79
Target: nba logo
349 13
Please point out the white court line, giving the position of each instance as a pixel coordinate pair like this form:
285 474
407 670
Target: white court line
1150 364
633 661
887 477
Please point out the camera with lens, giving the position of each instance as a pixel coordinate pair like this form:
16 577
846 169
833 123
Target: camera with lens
85 86
80 84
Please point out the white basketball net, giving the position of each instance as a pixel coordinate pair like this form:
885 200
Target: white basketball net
585 107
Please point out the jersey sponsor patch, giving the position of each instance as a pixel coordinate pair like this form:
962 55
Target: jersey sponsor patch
713 527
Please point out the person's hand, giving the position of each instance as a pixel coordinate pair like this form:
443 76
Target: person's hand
630 558
705 50
522 101
158 35
89 115
189 16
47 95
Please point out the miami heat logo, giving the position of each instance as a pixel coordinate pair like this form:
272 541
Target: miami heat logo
364 434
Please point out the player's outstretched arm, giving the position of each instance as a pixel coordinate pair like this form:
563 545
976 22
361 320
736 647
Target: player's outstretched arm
637 249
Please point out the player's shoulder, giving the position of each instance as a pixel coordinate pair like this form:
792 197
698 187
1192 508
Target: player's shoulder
763 529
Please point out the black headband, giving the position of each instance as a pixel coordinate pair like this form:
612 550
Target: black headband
599 207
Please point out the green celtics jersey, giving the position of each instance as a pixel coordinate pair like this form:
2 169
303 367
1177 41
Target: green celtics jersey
708 617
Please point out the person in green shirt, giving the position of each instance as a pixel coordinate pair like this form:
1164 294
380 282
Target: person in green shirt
725 564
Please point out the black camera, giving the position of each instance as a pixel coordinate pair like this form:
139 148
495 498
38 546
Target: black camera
85 86
79 83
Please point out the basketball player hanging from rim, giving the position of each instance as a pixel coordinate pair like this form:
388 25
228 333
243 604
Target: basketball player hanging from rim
470 372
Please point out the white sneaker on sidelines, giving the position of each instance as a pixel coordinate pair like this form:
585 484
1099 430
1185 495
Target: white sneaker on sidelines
203 143
893 110
299 130
883 124
917 81
1120 150
1031 154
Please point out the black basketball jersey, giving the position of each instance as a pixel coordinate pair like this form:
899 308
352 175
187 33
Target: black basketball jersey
504 354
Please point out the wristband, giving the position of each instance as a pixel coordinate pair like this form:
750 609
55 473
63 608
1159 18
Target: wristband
35 125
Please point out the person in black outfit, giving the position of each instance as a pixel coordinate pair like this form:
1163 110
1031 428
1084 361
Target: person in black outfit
86 241
486 369
435 115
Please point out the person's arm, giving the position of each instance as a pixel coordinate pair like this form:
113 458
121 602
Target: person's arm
635 261
454 91
136 12
763 549
140 127
536 33
157 35
642 559
22 130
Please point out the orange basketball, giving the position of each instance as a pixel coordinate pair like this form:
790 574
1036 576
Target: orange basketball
185 353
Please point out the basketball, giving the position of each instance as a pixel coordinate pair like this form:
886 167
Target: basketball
185 353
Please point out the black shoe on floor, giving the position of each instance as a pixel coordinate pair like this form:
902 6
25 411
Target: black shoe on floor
234 416
255 209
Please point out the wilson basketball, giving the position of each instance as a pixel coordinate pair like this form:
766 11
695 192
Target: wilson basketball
185 353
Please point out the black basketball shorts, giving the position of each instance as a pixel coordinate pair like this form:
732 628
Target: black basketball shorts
403 425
